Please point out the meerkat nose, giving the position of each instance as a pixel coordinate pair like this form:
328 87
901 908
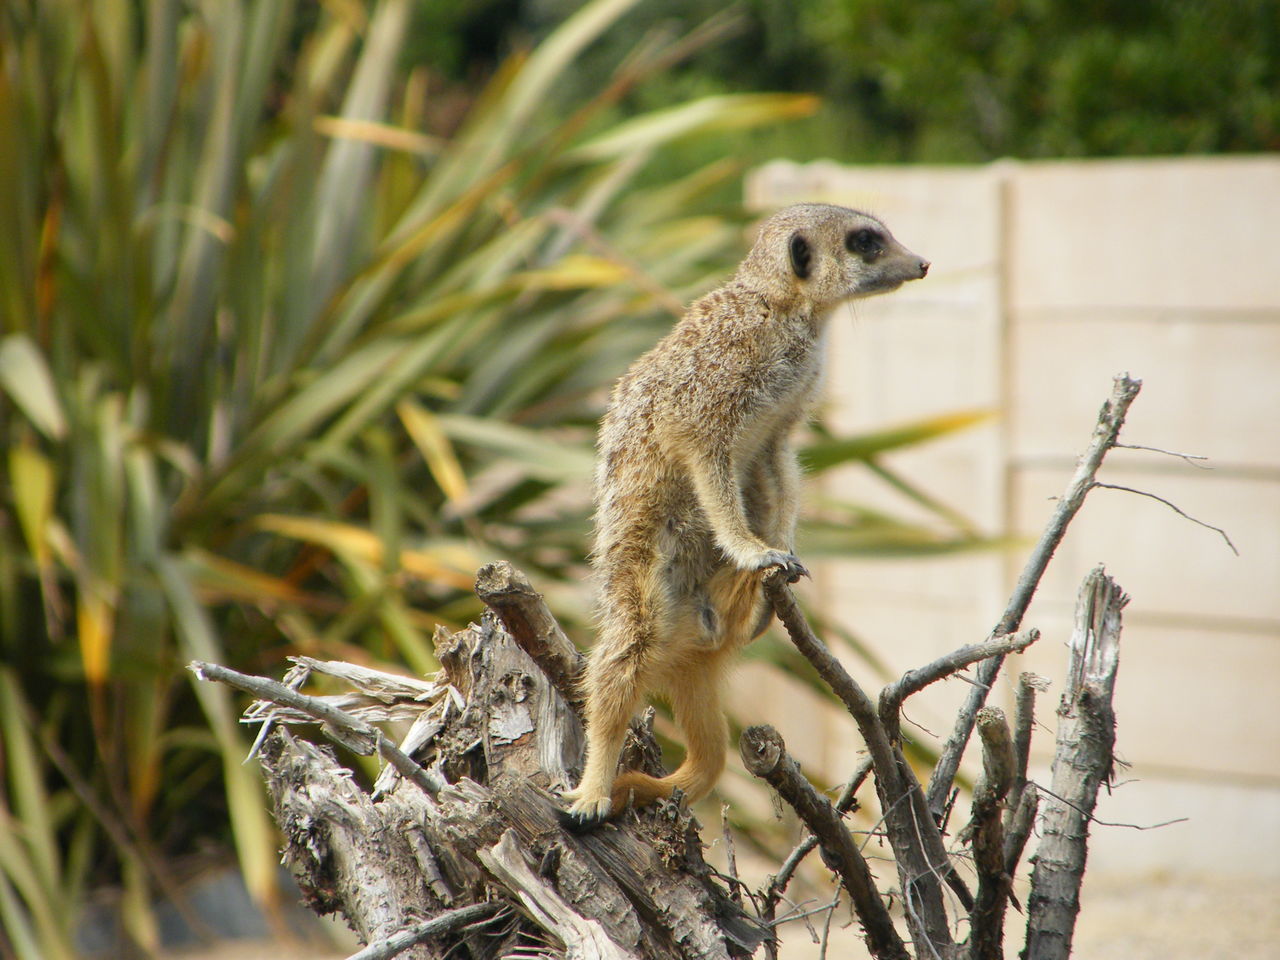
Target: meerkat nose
924 268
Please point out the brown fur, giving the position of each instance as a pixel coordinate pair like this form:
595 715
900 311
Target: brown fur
697 488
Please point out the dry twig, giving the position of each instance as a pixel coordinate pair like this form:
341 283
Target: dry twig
1105 435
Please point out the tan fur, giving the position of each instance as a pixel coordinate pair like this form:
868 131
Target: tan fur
697 488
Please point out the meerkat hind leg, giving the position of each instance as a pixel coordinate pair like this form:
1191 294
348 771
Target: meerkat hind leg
694 693
615 686
695 698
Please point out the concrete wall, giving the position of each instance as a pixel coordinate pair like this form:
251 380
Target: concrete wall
1048 279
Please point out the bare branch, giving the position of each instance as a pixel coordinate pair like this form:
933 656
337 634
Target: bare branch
826 924
437 926
1105 435
765 755
986 836
836 677
913 681
352 733
778 882
1191 458
1023 720
1173 507
1040 788
1018 827
730 856
918 848
1082 761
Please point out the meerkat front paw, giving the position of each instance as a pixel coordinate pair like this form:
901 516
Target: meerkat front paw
789 562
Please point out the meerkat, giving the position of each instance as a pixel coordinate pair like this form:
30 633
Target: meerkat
697 490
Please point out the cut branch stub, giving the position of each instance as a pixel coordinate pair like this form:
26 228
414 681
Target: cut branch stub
1082 761
765 755
525 615
986 836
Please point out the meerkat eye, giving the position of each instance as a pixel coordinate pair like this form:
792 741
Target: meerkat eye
864 242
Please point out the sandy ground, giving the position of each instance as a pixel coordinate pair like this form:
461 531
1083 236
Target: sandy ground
1122 918
1141 918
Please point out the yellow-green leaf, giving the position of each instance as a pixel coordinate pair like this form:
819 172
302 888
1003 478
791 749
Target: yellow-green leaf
25 376
724 112
829 453
31 474
540 455
424 429
575 272
246 800
445 564
218 578
95 624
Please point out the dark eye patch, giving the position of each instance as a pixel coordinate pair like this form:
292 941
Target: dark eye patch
865 242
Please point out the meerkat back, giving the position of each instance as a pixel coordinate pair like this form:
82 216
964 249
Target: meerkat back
697 489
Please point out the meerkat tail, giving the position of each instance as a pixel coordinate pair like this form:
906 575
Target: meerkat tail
695 701
633 788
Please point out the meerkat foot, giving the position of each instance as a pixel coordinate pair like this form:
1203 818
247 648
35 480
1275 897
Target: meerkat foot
585 813
789 563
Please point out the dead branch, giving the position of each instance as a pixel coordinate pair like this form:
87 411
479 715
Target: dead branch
1172 506
765 755
354 734
525 615
1190 458
923 863
913 681
1017 829
986 836
445 923
777 884
1105 435
1023 719
1082 761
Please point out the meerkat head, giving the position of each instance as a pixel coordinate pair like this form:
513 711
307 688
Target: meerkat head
823 255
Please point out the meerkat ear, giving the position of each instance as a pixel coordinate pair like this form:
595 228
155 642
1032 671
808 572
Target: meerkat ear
801 255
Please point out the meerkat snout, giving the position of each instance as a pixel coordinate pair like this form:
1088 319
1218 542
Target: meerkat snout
924 269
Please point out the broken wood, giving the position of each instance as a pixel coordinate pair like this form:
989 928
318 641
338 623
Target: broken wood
457 850
474 820
1082 762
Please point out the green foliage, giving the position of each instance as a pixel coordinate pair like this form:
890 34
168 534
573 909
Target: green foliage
279 370
974 80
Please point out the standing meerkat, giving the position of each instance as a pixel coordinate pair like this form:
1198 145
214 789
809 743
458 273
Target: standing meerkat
697 489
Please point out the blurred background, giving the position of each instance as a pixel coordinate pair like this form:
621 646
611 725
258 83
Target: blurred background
307 309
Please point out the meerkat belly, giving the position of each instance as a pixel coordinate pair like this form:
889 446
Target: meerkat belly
712 604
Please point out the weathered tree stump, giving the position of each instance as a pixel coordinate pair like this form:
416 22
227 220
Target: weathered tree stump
495 734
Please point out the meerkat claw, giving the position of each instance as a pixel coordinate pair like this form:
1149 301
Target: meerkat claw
585 815
796 570
789 563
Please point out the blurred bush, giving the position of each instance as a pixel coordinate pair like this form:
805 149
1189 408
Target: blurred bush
280 366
